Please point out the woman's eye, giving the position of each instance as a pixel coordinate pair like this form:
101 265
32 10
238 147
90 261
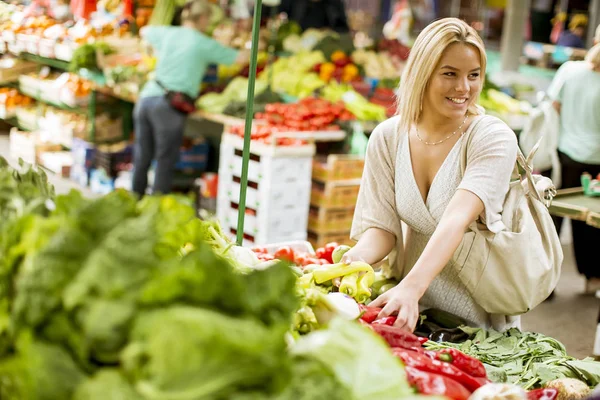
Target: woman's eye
449 73
475 75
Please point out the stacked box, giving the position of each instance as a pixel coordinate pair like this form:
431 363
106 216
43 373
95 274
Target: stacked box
334 191
278 193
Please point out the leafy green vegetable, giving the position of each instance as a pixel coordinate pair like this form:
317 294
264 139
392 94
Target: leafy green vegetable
40 371
359 359
213 354
108 384
524 358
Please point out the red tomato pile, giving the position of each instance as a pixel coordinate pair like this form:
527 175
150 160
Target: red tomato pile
322 257
309 114
262 133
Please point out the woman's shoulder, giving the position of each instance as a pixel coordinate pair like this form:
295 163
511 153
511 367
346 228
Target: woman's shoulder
492 136
488 126
386 133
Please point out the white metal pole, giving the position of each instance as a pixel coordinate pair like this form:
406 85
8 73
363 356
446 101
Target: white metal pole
511 44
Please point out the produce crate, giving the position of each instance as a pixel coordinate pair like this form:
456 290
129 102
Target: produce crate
7 112
56 161
320 239
193 156
27 117
342 194
46 48
267 228
278 193
12 72
330 219
63 51
113 158
336 167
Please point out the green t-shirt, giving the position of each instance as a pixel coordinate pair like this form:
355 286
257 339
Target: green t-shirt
577 88
183 54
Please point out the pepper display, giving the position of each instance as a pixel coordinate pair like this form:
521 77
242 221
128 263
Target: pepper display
424 363
396 337
460 360
436 384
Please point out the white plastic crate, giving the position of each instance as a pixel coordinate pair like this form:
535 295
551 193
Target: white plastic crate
276 197
278 194
274 224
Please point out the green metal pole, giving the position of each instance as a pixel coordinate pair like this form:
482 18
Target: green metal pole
249 117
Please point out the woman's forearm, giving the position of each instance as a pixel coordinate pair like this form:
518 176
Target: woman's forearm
374 245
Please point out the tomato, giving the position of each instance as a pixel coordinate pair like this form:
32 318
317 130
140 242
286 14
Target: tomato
320 252
300 259
260 250
285 253
265 257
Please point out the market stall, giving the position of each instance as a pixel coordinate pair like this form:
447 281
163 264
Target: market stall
96 328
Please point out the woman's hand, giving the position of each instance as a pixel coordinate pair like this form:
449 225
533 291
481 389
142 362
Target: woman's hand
402 300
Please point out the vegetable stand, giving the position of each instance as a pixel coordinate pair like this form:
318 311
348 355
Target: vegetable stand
572 203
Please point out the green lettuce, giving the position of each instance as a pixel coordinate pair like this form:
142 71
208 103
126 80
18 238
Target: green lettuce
182 352
360 360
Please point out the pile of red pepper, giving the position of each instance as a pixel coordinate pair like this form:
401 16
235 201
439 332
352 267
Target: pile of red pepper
447 372
309 114
322 256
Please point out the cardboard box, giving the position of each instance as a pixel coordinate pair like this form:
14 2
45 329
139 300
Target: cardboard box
320 239
337 167
330 219
341 194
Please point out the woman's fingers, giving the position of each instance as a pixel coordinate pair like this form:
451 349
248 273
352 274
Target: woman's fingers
403 318
379 302
391 308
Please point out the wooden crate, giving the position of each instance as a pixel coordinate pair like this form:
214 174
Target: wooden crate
330 219
341 194
320 239
337 167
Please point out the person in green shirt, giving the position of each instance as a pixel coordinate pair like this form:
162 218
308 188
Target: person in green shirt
183 54
576 94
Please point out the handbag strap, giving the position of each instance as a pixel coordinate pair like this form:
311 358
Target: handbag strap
523 164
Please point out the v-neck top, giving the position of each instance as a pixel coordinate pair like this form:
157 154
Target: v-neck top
425 215
389 195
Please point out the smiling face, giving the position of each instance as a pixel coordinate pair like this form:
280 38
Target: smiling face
455 83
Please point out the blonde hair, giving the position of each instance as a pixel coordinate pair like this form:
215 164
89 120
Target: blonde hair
194 9
578 21
597 35
424 57
593 56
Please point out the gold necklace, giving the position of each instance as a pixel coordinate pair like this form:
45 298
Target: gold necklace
443 140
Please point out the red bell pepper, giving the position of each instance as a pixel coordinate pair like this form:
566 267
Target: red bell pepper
435 384
369 313
542 394
423 340
328 251
385 321
460 360
424 363
396 337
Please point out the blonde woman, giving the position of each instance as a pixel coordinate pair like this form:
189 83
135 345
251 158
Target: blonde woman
412 175
183 54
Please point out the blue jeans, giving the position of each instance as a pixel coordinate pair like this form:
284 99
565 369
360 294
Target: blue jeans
158 136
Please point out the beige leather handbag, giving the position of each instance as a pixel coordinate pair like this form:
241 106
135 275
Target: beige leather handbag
514 270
